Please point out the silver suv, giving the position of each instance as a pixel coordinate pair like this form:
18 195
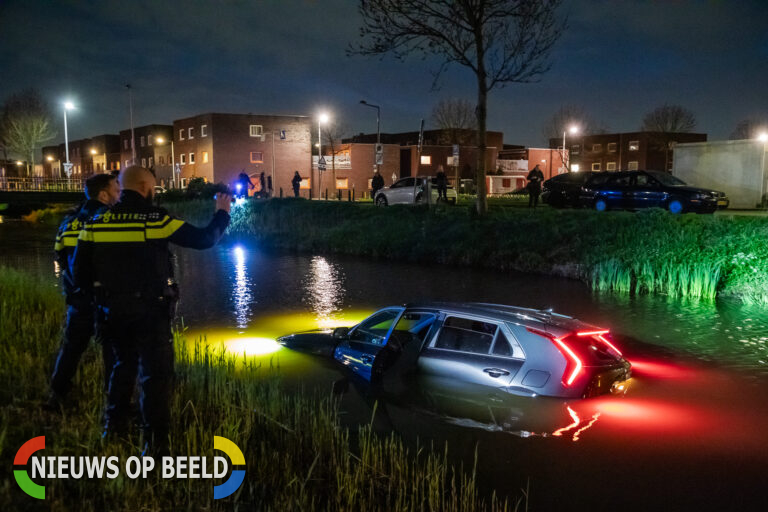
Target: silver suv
410 191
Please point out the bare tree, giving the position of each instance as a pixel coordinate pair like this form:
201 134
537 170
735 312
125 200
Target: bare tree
25 125
664 123
500 41
333 132
749 129
455 118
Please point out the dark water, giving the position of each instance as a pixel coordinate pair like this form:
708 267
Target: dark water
689 434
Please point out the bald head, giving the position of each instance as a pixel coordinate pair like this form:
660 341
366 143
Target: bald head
139 180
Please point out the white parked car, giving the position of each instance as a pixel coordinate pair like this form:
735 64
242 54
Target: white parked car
410 191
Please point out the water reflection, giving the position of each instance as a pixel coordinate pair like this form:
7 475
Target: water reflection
241 292
324 291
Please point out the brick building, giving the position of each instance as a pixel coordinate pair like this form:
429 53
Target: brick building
149 153
622 151
218 147
515 162
88 156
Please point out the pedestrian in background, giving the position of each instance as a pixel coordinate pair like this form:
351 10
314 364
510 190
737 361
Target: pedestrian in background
535 178
296 183
262 186
442 184
101 192
123 261
377 183
270 190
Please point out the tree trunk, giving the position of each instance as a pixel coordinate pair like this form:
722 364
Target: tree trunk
482 114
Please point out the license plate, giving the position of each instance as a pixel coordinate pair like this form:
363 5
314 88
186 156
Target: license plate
722 202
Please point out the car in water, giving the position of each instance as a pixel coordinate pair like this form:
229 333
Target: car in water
525 352
411 190
564 190
636 190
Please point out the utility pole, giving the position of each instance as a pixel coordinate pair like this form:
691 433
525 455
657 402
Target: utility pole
133 135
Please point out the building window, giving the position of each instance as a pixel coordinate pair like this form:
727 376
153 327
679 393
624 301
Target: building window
575 168
632 166
205 157
596 166
143 162
305 183
117 166
160 160
610 166
183 158
190 134
181 134
426 160
151 162
611 147
596 148
257 130
125 143
127 163
149 139
575 149
204 130
634 145
257 157
191 158
342 183
142 141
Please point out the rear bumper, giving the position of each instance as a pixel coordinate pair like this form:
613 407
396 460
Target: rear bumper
609 380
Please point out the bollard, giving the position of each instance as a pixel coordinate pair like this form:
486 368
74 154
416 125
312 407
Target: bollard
281 192
353 194
349 195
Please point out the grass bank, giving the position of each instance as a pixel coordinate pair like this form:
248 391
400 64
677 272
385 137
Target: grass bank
650 251
297 455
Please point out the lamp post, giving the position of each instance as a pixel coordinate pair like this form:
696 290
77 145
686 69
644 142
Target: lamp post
68 105
321 120
573 130
378 127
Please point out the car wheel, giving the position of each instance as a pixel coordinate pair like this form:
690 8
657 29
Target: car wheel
601 205
675 206
381 200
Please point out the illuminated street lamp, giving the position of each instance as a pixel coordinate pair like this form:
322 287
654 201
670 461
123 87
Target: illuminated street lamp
322 119
68 105
573 130
161 140
378 125
762 137
93 151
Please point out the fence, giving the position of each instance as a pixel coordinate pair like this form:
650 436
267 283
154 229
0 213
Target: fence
40 184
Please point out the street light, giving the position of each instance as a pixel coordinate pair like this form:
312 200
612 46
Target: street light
762 137
68 105
322 119
378 125
573 130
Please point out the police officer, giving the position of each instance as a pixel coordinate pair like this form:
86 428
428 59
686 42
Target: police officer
441 180
123 257
377 183
535 178
296 183
101 191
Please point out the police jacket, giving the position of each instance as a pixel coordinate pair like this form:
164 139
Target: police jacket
123 252
66 239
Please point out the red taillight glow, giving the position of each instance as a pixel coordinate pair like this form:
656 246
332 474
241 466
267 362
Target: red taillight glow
599 335
604 340
573 364
591 333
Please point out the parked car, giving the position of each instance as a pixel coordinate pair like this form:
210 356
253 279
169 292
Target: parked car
633 190
410 191
521 351
564 190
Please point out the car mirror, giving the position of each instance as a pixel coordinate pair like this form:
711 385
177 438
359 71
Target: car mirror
341 332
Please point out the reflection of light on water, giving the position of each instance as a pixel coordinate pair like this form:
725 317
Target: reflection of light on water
56 269
324 292
241 294
576 422
251 346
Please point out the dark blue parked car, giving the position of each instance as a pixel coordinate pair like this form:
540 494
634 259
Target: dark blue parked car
634 190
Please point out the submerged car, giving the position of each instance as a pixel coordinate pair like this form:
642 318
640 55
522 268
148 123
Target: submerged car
635 190
521 351
411 191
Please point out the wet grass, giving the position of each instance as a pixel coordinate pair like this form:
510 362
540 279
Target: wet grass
298 457
651 251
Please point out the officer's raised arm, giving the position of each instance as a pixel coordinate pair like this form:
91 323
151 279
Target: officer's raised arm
186 235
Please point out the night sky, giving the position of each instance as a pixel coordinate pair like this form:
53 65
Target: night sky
617 59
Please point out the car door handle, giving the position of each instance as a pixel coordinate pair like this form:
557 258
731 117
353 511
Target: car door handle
495 372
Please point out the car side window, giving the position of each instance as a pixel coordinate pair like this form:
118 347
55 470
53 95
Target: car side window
643 180
501 347
375 328
619 181
412 327
466 335
398 184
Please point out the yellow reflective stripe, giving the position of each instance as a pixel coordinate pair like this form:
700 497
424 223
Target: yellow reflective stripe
66 242
58 246
86 235
159 222
117 236
165 231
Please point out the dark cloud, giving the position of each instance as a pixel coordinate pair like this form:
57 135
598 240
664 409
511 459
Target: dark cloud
618 59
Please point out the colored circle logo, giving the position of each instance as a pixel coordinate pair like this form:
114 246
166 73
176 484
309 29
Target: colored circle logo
235 480
21 475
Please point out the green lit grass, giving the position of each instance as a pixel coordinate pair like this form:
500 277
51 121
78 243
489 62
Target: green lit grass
298 457
651 251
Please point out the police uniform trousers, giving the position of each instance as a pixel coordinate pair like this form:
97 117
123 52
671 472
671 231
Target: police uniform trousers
140 335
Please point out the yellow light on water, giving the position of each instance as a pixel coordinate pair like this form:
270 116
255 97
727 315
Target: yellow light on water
251 346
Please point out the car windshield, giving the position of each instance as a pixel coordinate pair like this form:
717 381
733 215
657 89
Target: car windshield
667 179
375 328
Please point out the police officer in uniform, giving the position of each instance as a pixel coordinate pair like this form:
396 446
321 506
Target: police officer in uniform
101 192
123 258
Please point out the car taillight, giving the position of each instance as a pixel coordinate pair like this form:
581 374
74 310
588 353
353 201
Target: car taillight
602 336
573 364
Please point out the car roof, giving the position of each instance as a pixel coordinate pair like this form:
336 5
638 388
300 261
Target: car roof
546 320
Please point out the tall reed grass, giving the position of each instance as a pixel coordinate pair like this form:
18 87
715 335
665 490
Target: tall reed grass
298 457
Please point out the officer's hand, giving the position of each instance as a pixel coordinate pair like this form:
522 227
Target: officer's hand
223 202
